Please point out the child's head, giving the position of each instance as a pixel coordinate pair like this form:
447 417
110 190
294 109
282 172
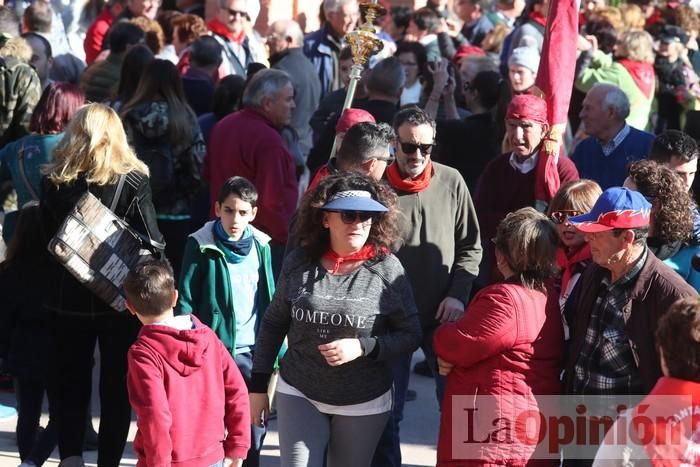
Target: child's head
678 340
236 206
150 289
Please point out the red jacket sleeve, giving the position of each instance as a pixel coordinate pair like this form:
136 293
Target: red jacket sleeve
237 412
150 402
487 328
93 40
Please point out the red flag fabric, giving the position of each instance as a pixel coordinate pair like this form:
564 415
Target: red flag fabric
555 78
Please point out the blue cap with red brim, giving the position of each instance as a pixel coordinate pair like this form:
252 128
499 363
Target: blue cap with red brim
616 208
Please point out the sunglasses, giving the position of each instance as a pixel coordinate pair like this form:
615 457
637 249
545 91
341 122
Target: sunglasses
356 217
410 148
559 217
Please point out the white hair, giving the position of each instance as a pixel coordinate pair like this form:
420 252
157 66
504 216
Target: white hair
335 5
616 98
265 84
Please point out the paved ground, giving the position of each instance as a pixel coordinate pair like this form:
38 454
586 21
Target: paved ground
418 432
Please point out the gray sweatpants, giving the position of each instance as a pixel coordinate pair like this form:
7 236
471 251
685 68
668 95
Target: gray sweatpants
305 433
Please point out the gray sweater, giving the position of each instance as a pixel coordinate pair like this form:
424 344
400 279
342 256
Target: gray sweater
311 307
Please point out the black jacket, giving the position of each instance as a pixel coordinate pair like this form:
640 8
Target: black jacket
64 293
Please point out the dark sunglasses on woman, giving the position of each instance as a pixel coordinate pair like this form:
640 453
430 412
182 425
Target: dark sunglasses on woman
563 215
355 217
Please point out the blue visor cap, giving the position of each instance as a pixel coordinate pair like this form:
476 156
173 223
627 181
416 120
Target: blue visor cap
354 200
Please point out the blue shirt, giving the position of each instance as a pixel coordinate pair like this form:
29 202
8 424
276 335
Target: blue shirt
244 285
37 151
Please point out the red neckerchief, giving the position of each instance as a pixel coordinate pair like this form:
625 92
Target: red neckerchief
410 186
662 415
217 27
567 262
365 253
642 74
321 173
538 18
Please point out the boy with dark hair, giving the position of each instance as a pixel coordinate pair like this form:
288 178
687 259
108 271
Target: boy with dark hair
227 281
679 152
175 360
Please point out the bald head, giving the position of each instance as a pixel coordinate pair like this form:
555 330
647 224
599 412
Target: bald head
283 35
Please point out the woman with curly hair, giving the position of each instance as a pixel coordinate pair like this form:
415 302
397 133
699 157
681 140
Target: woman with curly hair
346 306
671 224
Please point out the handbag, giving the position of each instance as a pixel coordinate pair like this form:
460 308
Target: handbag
99 248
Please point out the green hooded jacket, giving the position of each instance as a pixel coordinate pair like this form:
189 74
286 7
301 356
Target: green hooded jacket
205 284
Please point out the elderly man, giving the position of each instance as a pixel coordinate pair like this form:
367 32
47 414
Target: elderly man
612 144
228 28
248 143
322 47
619 301
508 181
441 250
285 39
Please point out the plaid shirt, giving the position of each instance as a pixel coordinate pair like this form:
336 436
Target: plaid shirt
616 141
606 364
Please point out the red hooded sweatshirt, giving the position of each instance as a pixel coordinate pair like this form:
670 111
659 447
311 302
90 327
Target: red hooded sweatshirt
190 399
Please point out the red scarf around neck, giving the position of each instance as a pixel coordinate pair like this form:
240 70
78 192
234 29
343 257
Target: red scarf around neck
217 27
366 252
410 185
642 74
567 262
538 18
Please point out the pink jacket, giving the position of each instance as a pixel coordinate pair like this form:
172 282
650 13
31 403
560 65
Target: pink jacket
190 399
508 346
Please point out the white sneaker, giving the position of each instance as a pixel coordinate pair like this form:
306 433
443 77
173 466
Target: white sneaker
27 464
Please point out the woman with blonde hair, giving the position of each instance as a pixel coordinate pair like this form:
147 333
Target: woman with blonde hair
631 69
163 130
92 156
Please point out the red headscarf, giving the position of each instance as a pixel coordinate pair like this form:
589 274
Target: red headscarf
527 107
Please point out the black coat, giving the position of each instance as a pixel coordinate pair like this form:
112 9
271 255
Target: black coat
65 293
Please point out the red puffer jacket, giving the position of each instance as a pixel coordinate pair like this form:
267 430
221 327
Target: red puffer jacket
507 346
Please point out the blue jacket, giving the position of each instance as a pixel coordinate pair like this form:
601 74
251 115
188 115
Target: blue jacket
319 48
611 170
681 262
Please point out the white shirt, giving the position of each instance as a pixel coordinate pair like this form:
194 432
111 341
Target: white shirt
526 166
411 95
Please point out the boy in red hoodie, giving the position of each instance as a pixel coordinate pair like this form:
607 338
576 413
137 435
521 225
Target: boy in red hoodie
190 399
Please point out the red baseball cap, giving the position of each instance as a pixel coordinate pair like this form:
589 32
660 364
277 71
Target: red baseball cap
351 117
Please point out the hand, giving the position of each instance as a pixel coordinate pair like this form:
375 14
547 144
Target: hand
450 310
449 91
593 40
453 27
582 44
440 76
444 367
259 408
237 462
341 351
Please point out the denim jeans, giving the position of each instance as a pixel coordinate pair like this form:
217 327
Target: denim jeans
388 453
244 361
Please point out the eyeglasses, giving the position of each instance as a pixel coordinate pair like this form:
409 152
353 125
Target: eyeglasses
356 217
233 12
410 148
559 217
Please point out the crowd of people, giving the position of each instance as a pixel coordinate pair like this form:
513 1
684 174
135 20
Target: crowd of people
301 252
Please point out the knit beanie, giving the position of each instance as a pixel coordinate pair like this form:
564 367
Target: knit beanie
526 56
